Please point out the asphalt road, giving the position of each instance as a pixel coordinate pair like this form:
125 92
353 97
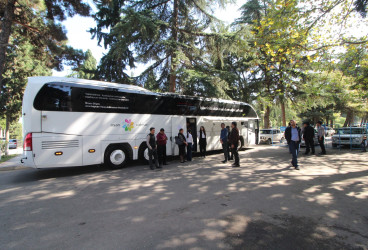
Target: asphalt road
199 205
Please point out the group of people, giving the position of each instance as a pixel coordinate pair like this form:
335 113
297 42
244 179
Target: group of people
157 145
294 135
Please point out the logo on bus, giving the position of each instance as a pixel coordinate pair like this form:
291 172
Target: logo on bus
129 125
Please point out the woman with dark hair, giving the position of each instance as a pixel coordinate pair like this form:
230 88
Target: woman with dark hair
202 141
182 145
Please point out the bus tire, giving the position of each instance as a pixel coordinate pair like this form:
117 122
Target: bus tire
269 141
143 153
115 157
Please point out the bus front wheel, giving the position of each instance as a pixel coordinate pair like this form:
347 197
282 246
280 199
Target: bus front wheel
115 157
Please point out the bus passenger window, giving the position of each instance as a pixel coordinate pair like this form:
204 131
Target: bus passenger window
53 98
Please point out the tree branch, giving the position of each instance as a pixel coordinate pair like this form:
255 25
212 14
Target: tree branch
27 26
323 14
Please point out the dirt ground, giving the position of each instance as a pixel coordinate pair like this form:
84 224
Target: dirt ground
204 204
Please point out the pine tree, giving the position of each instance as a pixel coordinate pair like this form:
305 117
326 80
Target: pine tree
88 68
168 35
38 20
23 60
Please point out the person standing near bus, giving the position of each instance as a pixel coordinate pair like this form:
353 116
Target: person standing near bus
308 136
152 148
189 144
321 137
202 141
161 147
234 141
229 157
183 143
223 140
293 138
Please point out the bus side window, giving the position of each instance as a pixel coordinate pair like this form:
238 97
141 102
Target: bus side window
53 98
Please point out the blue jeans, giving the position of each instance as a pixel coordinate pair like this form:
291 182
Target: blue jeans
189 152
294 149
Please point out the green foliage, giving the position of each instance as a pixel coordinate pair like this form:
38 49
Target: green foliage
170 36
87 69
37 44
3 147
361 7
23 60
15 131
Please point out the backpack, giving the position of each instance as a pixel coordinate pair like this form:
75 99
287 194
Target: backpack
178 141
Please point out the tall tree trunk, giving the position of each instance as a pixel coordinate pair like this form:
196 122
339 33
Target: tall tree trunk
283 113
266 120
349 119
174 33
5 31
7 128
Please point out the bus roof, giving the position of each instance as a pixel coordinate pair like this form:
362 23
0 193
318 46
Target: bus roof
83 82
119 87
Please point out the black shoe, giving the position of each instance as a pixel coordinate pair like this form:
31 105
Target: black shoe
306 153
236 165
224 161
152 167
322 153
159 166
166 164
297 168
182 162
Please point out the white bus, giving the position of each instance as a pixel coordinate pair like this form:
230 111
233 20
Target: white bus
74 122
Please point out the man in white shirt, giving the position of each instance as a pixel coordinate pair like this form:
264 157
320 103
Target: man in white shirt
189 145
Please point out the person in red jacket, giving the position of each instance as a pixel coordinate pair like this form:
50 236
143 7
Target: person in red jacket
234 141
161 147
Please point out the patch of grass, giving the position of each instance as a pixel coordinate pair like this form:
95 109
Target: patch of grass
6 158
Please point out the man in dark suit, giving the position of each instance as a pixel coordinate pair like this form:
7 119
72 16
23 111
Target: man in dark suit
293 137
308 136
234 142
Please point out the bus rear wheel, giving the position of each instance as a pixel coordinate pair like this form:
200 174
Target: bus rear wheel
115 157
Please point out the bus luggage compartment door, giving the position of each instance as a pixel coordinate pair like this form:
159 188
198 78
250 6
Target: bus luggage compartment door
52 150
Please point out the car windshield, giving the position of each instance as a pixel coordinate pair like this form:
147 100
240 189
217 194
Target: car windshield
351 131
266 131
12 140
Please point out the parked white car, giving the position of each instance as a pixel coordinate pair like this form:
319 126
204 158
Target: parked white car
13 144
349 136
270 136
329 131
